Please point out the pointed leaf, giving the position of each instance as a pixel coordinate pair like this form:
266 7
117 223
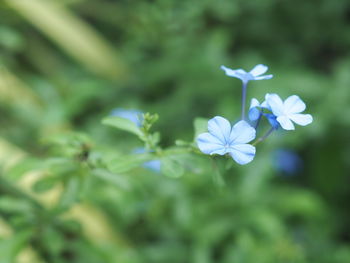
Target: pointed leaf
126 163
122 124
113 178
172 167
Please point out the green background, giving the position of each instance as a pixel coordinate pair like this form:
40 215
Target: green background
64 65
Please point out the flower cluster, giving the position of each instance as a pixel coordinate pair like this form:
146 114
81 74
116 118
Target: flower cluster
137 118
223 139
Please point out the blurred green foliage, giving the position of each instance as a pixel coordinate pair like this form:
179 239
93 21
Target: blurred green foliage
73 190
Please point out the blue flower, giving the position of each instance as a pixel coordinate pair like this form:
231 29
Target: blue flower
287 161
254 74
154 165
272 119
222 139
132 115
288 111
255 109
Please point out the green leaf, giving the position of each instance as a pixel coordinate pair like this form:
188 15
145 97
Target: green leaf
23 166
45 184
219 169
71 192
172 167
122 124
113 178
200 126
14 205
127 162
9 248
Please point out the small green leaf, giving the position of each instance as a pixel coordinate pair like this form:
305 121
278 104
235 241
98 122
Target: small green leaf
23 166
9 248
44 184
122 124
113 178
127 162
200 126
71 192
14 205
172 167
219 168
155 138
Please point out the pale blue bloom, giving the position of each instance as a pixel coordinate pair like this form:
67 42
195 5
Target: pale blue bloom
272 119
255 109
288 111
222 139
254 74
287 161
132 115
154 165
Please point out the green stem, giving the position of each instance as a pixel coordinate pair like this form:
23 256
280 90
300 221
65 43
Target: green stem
244 96
267 134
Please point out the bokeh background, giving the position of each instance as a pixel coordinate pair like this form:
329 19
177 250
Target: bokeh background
66 64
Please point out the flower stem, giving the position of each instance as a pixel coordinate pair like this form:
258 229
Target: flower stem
264 137
244 96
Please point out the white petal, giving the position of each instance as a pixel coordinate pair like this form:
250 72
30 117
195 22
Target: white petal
265 105
301 119
220 128
242 132
254 114
221 151
275 103
236 73
242 153
258 70
208 143
294 104
254 103
285 123
263 77
241 71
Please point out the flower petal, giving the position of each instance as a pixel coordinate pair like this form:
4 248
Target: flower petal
254 111
221 151
254 114
220 128
254 103
272 120
242 153
264 77
236 73
153 165
285 123
275 103
265 105
294 104
208 143
242 132
258 70
301 119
